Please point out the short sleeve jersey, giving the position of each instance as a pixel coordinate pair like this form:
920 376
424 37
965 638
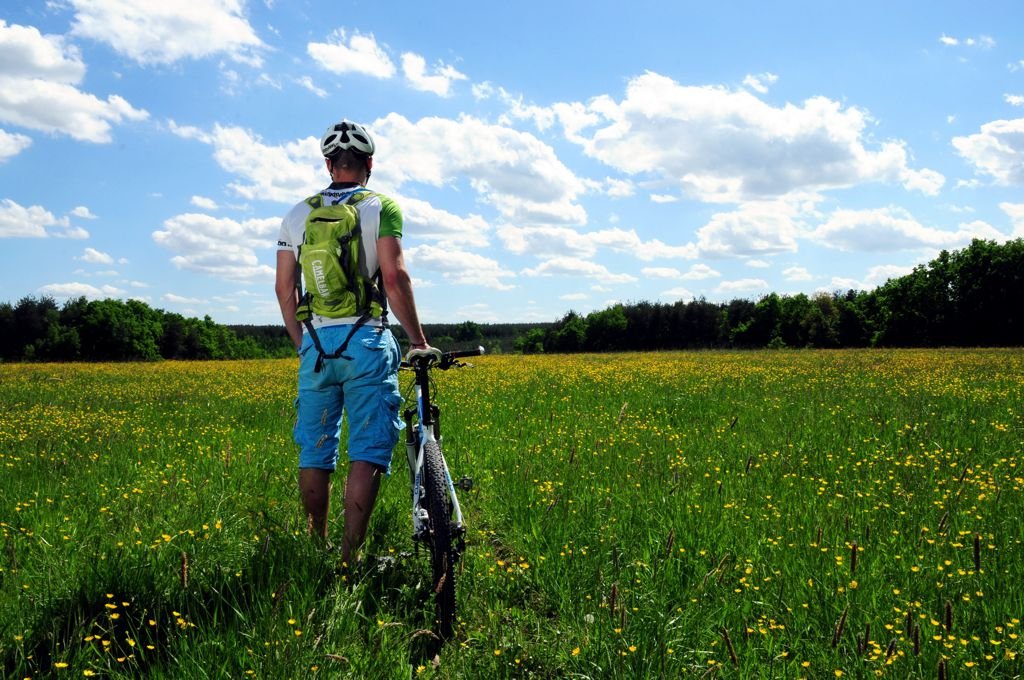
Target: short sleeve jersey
379 216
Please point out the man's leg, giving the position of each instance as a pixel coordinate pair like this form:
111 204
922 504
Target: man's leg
361 489
315 487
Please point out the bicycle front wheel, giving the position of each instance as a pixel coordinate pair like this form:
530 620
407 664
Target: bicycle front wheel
442 550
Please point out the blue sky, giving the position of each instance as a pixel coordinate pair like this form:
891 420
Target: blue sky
547 157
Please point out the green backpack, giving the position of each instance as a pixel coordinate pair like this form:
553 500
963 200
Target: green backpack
332 268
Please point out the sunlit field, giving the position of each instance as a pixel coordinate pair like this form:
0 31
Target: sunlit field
715 514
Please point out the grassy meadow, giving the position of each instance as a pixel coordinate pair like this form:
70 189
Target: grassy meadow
713 514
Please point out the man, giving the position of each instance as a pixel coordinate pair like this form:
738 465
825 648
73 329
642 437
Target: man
363 378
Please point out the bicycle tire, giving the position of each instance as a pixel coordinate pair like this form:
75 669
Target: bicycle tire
440 539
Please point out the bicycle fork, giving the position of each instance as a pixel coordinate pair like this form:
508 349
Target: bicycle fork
415 441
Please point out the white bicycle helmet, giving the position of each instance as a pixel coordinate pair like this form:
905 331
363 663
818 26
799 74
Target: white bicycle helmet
346 135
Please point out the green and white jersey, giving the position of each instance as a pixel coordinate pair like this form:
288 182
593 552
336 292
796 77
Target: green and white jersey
378 216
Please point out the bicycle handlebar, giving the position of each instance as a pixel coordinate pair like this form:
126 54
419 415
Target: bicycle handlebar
462 353
447 360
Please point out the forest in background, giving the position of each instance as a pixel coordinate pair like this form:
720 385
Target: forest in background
966 298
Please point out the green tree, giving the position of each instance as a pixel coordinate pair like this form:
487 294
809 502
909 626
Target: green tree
606 330
762 325
569 334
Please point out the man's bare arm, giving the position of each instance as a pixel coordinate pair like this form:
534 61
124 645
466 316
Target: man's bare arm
398 287
287 295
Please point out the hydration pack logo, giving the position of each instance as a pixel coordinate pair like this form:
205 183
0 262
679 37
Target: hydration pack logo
319 277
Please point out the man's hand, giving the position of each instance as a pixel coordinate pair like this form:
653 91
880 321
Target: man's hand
423 350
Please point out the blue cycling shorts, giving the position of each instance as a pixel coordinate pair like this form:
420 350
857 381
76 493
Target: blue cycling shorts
365 386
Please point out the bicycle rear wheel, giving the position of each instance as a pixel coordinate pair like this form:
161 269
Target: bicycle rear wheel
441 541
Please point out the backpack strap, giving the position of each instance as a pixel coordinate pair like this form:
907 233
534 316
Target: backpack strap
305 299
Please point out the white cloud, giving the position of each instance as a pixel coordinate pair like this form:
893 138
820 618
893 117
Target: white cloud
478 311
181 299
661 273
627 241
741 285
17 221
423 221
286 173
1016 213
484 90
553 241
881 273
928 182
700 271
460 267
266 79
843 283
38 79
677 293
204 202
549 241
514 171
757 263
723 145
574 117
219 247
11 144
876 276
576 267
754 228
362 55
439 82
27 54
574 297
155 32
307 82
761 82
617 188
664 198
796 274
997 150
63 291
83 212
892 229
1014 99
93 256
982 41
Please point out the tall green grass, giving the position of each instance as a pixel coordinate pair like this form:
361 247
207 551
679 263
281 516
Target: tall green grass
775 514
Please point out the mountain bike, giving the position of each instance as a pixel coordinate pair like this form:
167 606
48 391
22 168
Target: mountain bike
436 514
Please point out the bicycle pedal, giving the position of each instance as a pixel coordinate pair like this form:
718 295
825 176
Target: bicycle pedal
466 483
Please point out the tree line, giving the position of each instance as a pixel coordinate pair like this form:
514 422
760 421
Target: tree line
966 298
113 330
970 297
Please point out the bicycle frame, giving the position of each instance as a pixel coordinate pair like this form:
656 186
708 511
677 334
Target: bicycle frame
427 428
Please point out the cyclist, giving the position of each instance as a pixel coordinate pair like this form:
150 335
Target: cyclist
363 380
